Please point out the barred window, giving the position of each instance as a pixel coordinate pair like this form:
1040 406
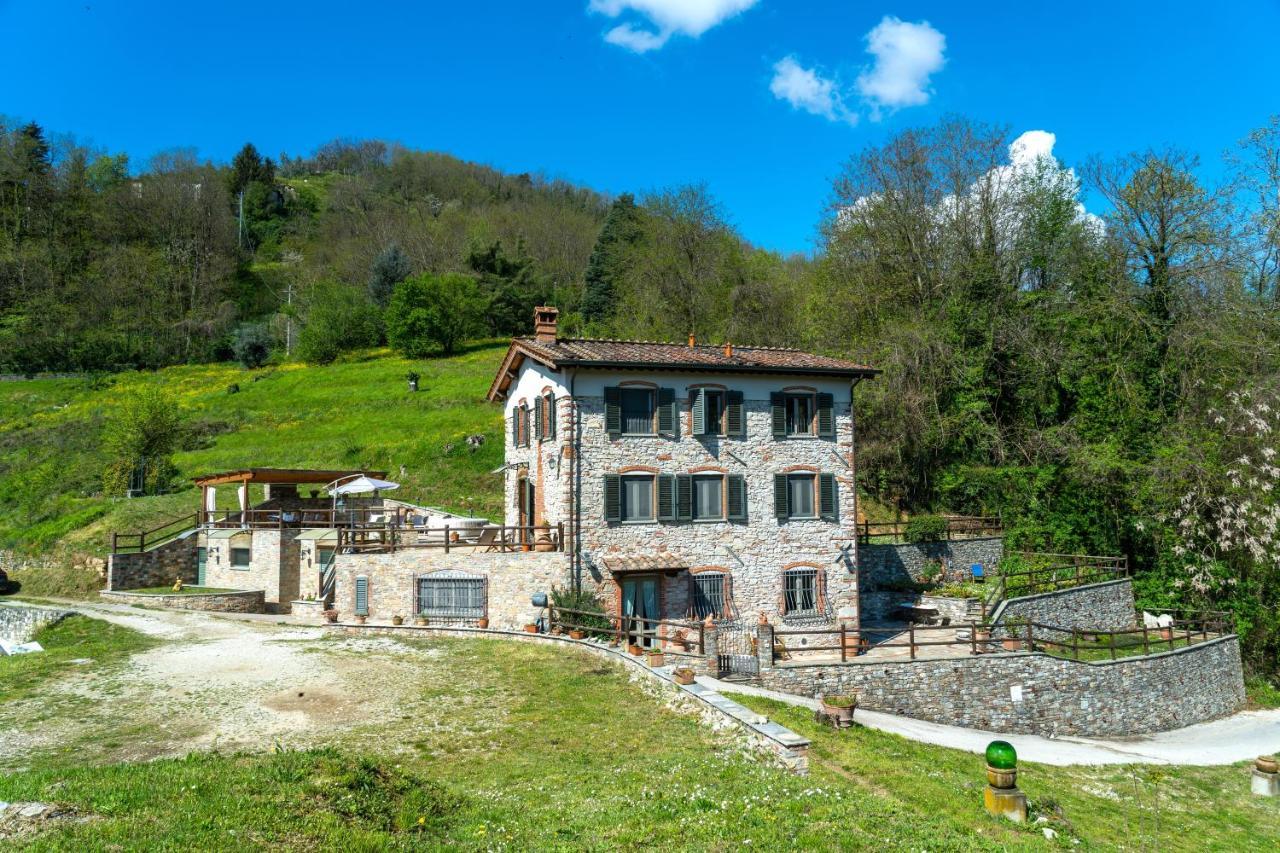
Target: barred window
461 597
800 591
709 595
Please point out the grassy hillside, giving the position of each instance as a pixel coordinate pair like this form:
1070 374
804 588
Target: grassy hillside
357 412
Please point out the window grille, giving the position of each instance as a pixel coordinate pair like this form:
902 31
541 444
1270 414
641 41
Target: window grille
800 591
459 597
708 595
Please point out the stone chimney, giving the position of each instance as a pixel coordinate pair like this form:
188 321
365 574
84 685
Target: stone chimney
544 323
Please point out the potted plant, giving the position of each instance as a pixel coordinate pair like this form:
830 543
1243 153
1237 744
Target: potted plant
413 378
330 615
397 619
531 628
634 649
839 708
482 622
420 619
683 675
577 634
1015 625
656 658
557 630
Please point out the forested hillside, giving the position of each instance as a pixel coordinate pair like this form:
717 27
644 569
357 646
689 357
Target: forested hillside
1104 378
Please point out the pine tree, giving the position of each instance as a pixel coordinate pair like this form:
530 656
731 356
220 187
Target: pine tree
389 269
622 228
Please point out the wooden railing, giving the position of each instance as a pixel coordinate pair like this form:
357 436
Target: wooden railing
308 518
688 639
133 543
958 527
502 538
1057 571
1072 643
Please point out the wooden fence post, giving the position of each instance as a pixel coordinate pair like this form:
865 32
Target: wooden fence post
911 639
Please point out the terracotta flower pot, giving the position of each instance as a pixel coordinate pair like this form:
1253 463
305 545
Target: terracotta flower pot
1267 763
657 659
420 620
361 619
634 650
1011 644
683 676
482 622
1001 777
556 630
840 714
531 628
397 620
577 634
1166 633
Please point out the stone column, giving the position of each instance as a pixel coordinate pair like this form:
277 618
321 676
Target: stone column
764 646
710 649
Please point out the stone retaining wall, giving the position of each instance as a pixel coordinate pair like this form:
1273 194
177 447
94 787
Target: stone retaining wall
1034 693
882 567
958 610
157 567
238 601
19 623
1106 606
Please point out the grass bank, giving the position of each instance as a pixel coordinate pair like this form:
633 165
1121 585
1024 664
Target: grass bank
76 645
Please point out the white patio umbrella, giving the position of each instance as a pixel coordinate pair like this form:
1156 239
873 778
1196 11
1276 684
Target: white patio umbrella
360 484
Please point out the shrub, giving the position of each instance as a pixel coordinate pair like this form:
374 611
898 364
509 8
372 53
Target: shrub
338 318
931 572
251 345
434 311
142 437
925 528
568 598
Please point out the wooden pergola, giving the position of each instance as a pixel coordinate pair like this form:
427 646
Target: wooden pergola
271 477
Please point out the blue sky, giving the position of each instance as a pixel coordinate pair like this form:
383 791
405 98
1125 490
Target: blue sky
761 99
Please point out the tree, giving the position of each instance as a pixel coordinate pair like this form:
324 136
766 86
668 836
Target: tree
429 311
512 284
248 167
140 440
389 269
337 318
252 345
608 261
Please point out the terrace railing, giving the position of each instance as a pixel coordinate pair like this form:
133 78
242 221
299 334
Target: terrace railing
683 639
958 527
133 543
1052 573
1187 629
389 538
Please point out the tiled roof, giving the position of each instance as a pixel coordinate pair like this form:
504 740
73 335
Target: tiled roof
657 562
612 353
656 355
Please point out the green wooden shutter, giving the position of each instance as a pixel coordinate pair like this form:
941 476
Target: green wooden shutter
668 423
698 406
515 427
778 403
735 422
362 596
666 497
550 422
780 496
737 489
537 418
612 497
826 416
528 433
613 412
684 497
827 496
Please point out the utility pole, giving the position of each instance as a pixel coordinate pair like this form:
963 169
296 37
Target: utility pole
240 217
288 319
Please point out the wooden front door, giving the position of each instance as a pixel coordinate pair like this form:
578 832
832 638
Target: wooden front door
525 503
640 604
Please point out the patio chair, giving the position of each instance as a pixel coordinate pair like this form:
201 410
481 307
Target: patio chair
978 573
487 540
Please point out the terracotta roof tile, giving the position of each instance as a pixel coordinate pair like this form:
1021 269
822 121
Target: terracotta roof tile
613 353
657 562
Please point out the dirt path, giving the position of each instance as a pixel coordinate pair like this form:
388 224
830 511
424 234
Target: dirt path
215 682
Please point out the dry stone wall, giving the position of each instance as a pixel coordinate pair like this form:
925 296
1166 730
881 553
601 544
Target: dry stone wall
1094 607
245 601
19 623
157 567
1038 694
885 568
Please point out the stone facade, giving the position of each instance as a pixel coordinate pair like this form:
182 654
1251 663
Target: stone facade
1034 693
158 567
243 601
754 553
885 568
18 623
273 564
1093 607
511 581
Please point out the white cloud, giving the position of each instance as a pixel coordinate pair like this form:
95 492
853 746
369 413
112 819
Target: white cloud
906 54
666 18
806 89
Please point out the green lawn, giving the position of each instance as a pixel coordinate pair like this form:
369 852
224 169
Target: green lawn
76 638
514 746
357 412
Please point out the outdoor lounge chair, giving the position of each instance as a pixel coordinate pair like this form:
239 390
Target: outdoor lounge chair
978 573
488 538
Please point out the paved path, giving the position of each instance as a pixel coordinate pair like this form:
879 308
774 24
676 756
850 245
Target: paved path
1240 737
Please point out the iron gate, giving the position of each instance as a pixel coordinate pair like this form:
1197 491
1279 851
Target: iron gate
736 652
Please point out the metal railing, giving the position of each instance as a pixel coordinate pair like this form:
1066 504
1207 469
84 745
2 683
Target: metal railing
1072 643
958 527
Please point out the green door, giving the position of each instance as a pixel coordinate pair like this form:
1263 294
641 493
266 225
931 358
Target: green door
201 558
640 602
